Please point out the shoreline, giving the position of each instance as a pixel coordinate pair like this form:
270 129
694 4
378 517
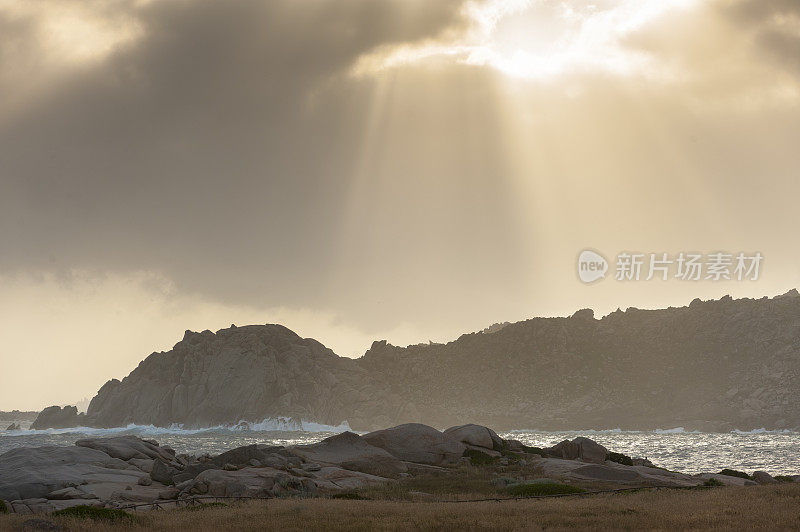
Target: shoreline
394 463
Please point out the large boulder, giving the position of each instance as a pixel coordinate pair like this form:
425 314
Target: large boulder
247 482
55 417
762 477
31 473
162 472
476 435
351 451
127 447
415 442
579 449
275 456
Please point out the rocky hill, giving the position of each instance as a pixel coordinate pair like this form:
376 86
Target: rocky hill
714 365
248 373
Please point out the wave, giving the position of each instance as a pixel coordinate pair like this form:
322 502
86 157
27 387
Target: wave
763 430
279 424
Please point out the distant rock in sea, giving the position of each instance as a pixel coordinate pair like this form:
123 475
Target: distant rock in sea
56 417
712 366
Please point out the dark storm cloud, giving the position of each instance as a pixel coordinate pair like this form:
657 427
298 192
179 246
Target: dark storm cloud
776 27
219 149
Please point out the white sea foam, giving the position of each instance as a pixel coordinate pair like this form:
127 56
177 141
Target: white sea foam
279 424
762 430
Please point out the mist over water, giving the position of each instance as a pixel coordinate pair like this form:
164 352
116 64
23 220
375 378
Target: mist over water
777 452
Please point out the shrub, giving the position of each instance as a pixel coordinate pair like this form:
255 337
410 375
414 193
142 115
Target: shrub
535 450
712 482
95 513
734 473
620 458
538 489
3 507
784 478
479 458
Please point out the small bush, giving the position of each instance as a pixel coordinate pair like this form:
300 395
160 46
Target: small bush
479 458
350 496
784 478
538 489
620 458
535 450
734 473
95 513
712 482
3 507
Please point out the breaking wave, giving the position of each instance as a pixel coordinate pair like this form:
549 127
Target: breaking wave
279 424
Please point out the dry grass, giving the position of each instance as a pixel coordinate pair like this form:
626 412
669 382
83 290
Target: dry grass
763 507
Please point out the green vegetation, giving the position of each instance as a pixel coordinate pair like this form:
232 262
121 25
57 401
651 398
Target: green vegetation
712 482
535 450
620 458
479 458
784 478
734 473
96 514
3 507
538 489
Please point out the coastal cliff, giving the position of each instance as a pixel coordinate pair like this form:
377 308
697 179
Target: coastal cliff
713 365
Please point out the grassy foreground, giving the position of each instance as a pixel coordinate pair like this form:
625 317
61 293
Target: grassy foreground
762 507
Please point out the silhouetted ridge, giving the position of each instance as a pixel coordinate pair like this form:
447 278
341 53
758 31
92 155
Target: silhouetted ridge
714 365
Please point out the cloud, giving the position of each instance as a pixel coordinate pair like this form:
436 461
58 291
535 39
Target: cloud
218 149
228 150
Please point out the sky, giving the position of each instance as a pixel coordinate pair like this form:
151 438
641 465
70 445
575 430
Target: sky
359 170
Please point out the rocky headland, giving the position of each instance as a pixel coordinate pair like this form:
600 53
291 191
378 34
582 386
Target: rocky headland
124 471
713 365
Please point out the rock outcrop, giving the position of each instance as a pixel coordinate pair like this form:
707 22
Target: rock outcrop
56 417
579 449
415 442
121 471
713 365
247 373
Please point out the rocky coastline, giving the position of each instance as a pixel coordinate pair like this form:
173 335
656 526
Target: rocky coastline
712 366
126 471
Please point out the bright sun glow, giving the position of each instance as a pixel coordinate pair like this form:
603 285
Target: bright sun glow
535 39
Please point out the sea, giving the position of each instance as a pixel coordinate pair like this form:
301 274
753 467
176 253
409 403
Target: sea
777 452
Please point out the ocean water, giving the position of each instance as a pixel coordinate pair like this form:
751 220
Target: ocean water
777 452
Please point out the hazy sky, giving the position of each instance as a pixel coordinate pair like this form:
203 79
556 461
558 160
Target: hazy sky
373 169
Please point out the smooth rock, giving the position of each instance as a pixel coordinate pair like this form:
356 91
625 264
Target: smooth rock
415 442
27 473
69 493
762 477
579 448
127 447
351 451
162 472
475 435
